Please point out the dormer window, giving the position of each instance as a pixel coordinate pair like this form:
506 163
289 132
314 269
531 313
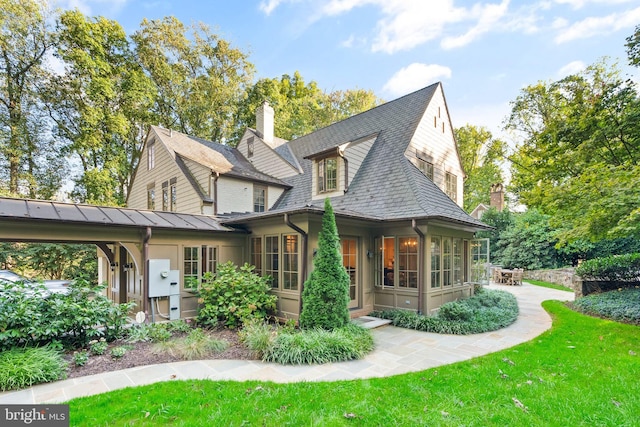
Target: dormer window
250 147
327 175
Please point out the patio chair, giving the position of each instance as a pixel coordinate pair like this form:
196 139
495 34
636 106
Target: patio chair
516 276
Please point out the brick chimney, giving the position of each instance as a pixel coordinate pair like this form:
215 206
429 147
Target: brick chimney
264 122
497 196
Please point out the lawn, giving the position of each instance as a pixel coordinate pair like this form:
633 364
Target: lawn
548 285
582 372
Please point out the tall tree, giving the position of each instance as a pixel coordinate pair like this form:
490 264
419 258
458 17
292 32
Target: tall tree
481 157
199 77
100 105
325 298
29 160
579 152
299 107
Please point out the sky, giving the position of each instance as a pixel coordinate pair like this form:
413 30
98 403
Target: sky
483 52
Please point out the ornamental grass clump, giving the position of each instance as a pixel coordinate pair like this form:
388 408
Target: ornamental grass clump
325 298
24 367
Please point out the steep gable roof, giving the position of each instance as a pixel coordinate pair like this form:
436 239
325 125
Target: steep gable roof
387 186
219 158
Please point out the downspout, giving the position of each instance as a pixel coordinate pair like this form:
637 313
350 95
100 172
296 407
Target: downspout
145 261
216 175
346 170
303 273
421 255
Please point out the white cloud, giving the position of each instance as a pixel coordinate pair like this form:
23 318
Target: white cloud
269 6
414 77
85 6
487 17
594 26
573 67
578 4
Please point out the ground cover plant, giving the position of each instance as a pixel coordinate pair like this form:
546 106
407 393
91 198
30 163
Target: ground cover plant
24 367
548 285
582 372
288 345
488 310
622 305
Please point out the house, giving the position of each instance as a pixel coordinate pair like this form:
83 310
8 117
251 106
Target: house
393 175
496 200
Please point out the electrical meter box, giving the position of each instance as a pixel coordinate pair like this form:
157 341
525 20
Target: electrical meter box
159 282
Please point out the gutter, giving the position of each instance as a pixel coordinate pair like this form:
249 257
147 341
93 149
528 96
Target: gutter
305 239
421 255
346 170
215 192
145 261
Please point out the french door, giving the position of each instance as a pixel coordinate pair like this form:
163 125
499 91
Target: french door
350 262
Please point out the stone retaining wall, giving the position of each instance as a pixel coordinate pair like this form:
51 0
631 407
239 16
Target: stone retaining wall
561 276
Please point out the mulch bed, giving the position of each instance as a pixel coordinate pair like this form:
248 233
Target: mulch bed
141 353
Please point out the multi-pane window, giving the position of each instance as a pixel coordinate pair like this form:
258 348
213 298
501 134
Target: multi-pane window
256 254
290 262
173 194
165 196
259 198
407 262
436 258
271 267
211 264
250 147
191 264
327 175
151 156
446 262
457 261
451 186
151 198
426 168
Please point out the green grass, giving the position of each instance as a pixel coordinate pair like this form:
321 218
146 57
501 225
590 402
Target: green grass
548 285
582 372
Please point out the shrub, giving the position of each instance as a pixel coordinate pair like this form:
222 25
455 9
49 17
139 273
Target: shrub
613 268
621 305
325 298
195 345
118 352
80 358
487 311
31 316
24 367
308 346
98 347
233 296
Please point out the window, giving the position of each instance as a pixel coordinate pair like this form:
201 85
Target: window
210 259
271 263
191 269
259 198
151 197
151 156
385 261
165 196
250 147
436 257
451 186
173 191
426 168
408 262
327 175
457 261
446 262
256 254
290 262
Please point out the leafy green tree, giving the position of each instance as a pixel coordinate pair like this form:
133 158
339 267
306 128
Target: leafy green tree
501 221
325 298
29 162
299 107
481 157
578 155
529 242
100 105
199 77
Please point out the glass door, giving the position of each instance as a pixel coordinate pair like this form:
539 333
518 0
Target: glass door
350 262
480 262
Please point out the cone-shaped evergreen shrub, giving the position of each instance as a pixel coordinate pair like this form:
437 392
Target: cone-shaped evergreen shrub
325 299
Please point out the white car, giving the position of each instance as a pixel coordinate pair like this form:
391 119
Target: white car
53 286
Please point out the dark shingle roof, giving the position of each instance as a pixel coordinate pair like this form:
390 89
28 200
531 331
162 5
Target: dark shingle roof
387 186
